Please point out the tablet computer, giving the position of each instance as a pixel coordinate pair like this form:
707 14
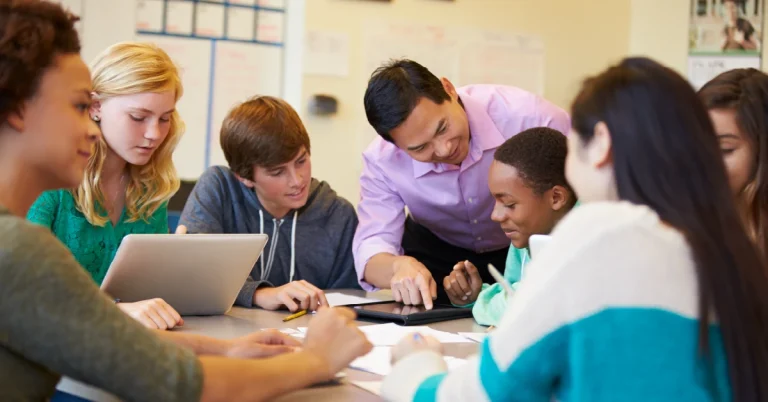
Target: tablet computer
401 314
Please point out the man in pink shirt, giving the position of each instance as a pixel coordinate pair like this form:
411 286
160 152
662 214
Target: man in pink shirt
435 148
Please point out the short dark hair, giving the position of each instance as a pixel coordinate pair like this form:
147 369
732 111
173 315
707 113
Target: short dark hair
538 154
32 33
394 90
263 131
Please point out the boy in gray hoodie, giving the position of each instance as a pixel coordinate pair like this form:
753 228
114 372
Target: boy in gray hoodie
268 188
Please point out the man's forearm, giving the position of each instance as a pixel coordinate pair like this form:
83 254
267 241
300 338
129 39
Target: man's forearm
380 269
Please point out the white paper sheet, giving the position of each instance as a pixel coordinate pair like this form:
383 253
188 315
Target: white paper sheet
210 20
326 53
270 26
478 337
340 299
701 69
179 17
378 361
240 24
373 387
470 56
390 334
293 332
149 15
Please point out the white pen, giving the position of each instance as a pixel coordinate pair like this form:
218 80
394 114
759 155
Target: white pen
500 279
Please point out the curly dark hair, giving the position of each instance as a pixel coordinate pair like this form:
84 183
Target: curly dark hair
538 154
32 33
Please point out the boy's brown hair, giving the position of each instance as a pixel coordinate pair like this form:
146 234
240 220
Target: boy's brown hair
262 131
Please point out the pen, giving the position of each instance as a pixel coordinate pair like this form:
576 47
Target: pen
500 279
295 315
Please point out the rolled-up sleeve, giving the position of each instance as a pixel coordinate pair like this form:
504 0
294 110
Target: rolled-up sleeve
381 212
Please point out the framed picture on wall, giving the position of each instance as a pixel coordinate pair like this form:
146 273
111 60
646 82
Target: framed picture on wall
724 35
726 26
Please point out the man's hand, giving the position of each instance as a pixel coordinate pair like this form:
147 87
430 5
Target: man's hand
412 283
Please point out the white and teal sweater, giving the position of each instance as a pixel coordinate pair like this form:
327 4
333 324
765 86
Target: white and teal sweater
607 313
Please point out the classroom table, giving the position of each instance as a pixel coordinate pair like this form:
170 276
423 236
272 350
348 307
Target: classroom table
242 321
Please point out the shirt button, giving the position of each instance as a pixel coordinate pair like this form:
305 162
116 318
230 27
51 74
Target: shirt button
479 238
474 221
469 200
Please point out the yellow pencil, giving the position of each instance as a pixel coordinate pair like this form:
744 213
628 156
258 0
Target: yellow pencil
295 315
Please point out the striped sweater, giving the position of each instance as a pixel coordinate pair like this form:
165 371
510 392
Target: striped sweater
607 313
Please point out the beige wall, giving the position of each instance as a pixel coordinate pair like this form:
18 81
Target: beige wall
659 29
580 36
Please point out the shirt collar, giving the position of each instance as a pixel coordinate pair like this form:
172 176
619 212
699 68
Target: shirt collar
484 136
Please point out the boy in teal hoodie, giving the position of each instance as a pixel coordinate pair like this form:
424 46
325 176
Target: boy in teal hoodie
527 179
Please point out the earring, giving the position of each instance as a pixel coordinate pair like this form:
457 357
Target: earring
96 119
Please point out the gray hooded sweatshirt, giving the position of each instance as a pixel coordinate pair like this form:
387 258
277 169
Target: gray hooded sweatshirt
313 243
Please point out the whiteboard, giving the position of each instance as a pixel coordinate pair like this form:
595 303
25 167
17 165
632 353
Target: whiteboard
241 71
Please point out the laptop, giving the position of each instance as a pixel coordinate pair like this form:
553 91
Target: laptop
537 244
197 274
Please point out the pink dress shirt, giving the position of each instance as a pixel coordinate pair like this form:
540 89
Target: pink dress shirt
451 201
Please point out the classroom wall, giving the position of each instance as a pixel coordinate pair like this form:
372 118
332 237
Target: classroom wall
580 37
659 29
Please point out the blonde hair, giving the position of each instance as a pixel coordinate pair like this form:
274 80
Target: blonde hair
130 68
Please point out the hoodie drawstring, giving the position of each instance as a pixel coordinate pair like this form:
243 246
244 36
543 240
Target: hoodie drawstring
273 245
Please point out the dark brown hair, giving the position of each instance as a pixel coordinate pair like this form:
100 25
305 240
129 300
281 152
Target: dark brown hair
666 156
745 91
263 131
32 33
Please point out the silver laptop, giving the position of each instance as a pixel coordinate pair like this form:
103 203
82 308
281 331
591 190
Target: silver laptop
197 274
537 243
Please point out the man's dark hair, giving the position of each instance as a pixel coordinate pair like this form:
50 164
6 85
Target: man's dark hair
538 154
394 90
